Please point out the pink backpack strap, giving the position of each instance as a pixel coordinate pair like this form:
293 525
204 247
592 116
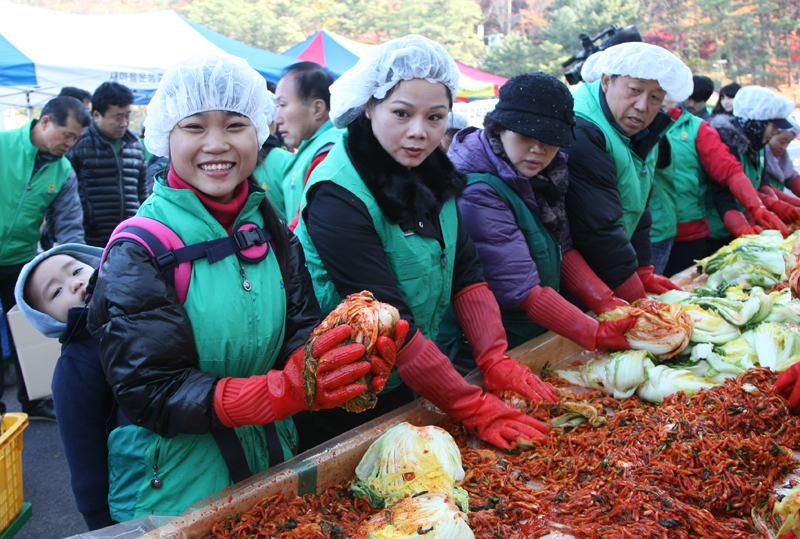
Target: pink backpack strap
160 241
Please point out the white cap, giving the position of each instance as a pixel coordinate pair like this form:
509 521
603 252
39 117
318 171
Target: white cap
642 61
456 120
794 129
758 103
405 58
271 107
202 83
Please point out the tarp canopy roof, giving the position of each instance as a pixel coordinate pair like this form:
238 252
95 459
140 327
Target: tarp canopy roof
42 50
339 54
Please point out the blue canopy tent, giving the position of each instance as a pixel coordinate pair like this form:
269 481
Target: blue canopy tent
35 65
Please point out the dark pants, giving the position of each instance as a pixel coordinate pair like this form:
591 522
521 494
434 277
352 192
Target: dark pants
684 254
318 427
8 280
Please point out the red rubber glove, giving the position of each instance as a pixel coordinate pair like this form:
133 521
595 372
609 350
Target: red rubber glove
654 283
578 278
632 289
794 187
745 193
783 197
426 370
786 212
477 311
789 388
736 223
384 361
259 400
549 309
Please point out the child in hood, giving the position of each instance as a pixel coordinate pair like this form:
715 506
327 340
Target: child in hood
51 292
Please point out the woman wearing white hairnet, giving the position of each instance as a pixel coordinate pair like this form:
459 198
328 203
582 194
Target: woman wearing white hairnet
779 167
758 113
192 363
380 214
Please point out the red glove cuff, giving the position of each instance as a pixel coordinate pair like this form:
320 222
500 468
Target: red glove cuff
243 401
741 187
632 289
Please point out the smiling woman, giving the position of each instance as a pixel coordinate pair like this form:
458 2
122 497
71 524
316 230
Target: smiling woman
380 214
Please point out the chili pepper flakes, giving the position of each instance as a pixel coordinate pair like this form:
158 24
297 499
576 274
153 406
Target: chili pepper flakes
688 467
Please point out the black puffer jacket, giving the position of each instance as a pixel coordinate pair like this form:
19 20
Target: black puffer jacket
111 186
154 377
594 205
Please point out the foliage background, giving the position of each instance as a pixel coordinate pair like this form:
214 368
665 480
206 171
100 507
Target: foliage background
751 41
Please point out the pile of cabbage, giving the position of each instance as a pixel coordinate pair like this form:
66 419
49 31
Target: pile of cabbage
737 325
413 472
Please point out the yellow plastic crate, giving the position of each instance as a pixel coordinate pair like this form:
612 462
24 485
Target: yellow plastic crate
11 467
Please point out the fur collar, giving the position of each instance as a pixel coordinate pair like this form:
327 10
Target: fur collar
401 193
731 134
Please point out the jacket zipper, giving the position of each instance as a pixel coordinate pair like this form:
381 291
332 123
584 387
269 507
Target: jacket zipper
19 207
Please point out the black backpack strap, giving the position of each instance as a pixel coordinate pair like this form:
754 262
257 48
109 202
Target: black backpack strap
233 453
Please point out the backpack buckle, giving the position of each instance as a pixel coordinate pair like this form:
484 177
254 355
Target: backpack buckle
249 238
165 261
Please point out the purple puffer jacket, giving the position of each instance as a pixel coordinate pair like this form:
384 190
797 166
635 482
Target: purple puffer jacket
504 253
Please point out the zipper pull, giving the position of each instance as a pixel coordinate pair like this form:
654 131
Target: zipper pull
155 482
245 284
644 171
444 259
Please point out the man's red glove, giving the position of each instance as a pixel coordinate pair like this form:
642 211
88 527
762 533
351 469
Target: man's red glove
259 400
578 278
384 361
783 197
786 212
654 283
736 223
478 313
632 289
789 388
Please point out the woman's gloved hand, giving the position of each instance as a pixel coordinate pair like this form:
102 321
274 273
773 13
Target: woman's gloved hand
611 334
785 211
259 400
384 361
477 311
654 283
789 388
499 424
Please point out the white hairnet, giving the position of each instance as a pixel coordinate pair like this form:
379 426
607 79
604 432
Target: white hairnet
642 61
758 103
405 58
271 107
794 129
456 120
203 83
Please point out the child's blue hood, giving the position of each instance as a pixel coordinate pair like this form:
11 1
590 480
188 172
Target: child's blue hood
46 324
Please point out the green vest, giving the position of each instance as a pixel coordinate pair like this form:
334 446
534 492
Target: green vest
423 271
298 163
269 175
679 190
775 182
753 173
634 176
237 333
24 198
545 251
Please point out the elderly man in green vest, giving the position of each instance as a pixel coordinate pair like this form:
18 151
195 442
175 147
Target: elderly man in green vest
303 121
36 177
613 162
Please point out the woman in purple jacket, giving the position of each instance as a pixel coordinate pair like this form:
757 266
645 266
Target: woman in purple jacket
513 208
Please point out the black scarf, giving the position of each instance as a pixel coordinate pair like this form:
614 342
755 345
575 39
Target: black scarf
402 193
754 131
549 186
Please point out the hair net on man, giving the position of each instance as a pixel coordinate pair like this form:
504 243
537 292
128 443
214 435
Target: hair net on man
202 83
758 103
642 61
405 58
456 120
